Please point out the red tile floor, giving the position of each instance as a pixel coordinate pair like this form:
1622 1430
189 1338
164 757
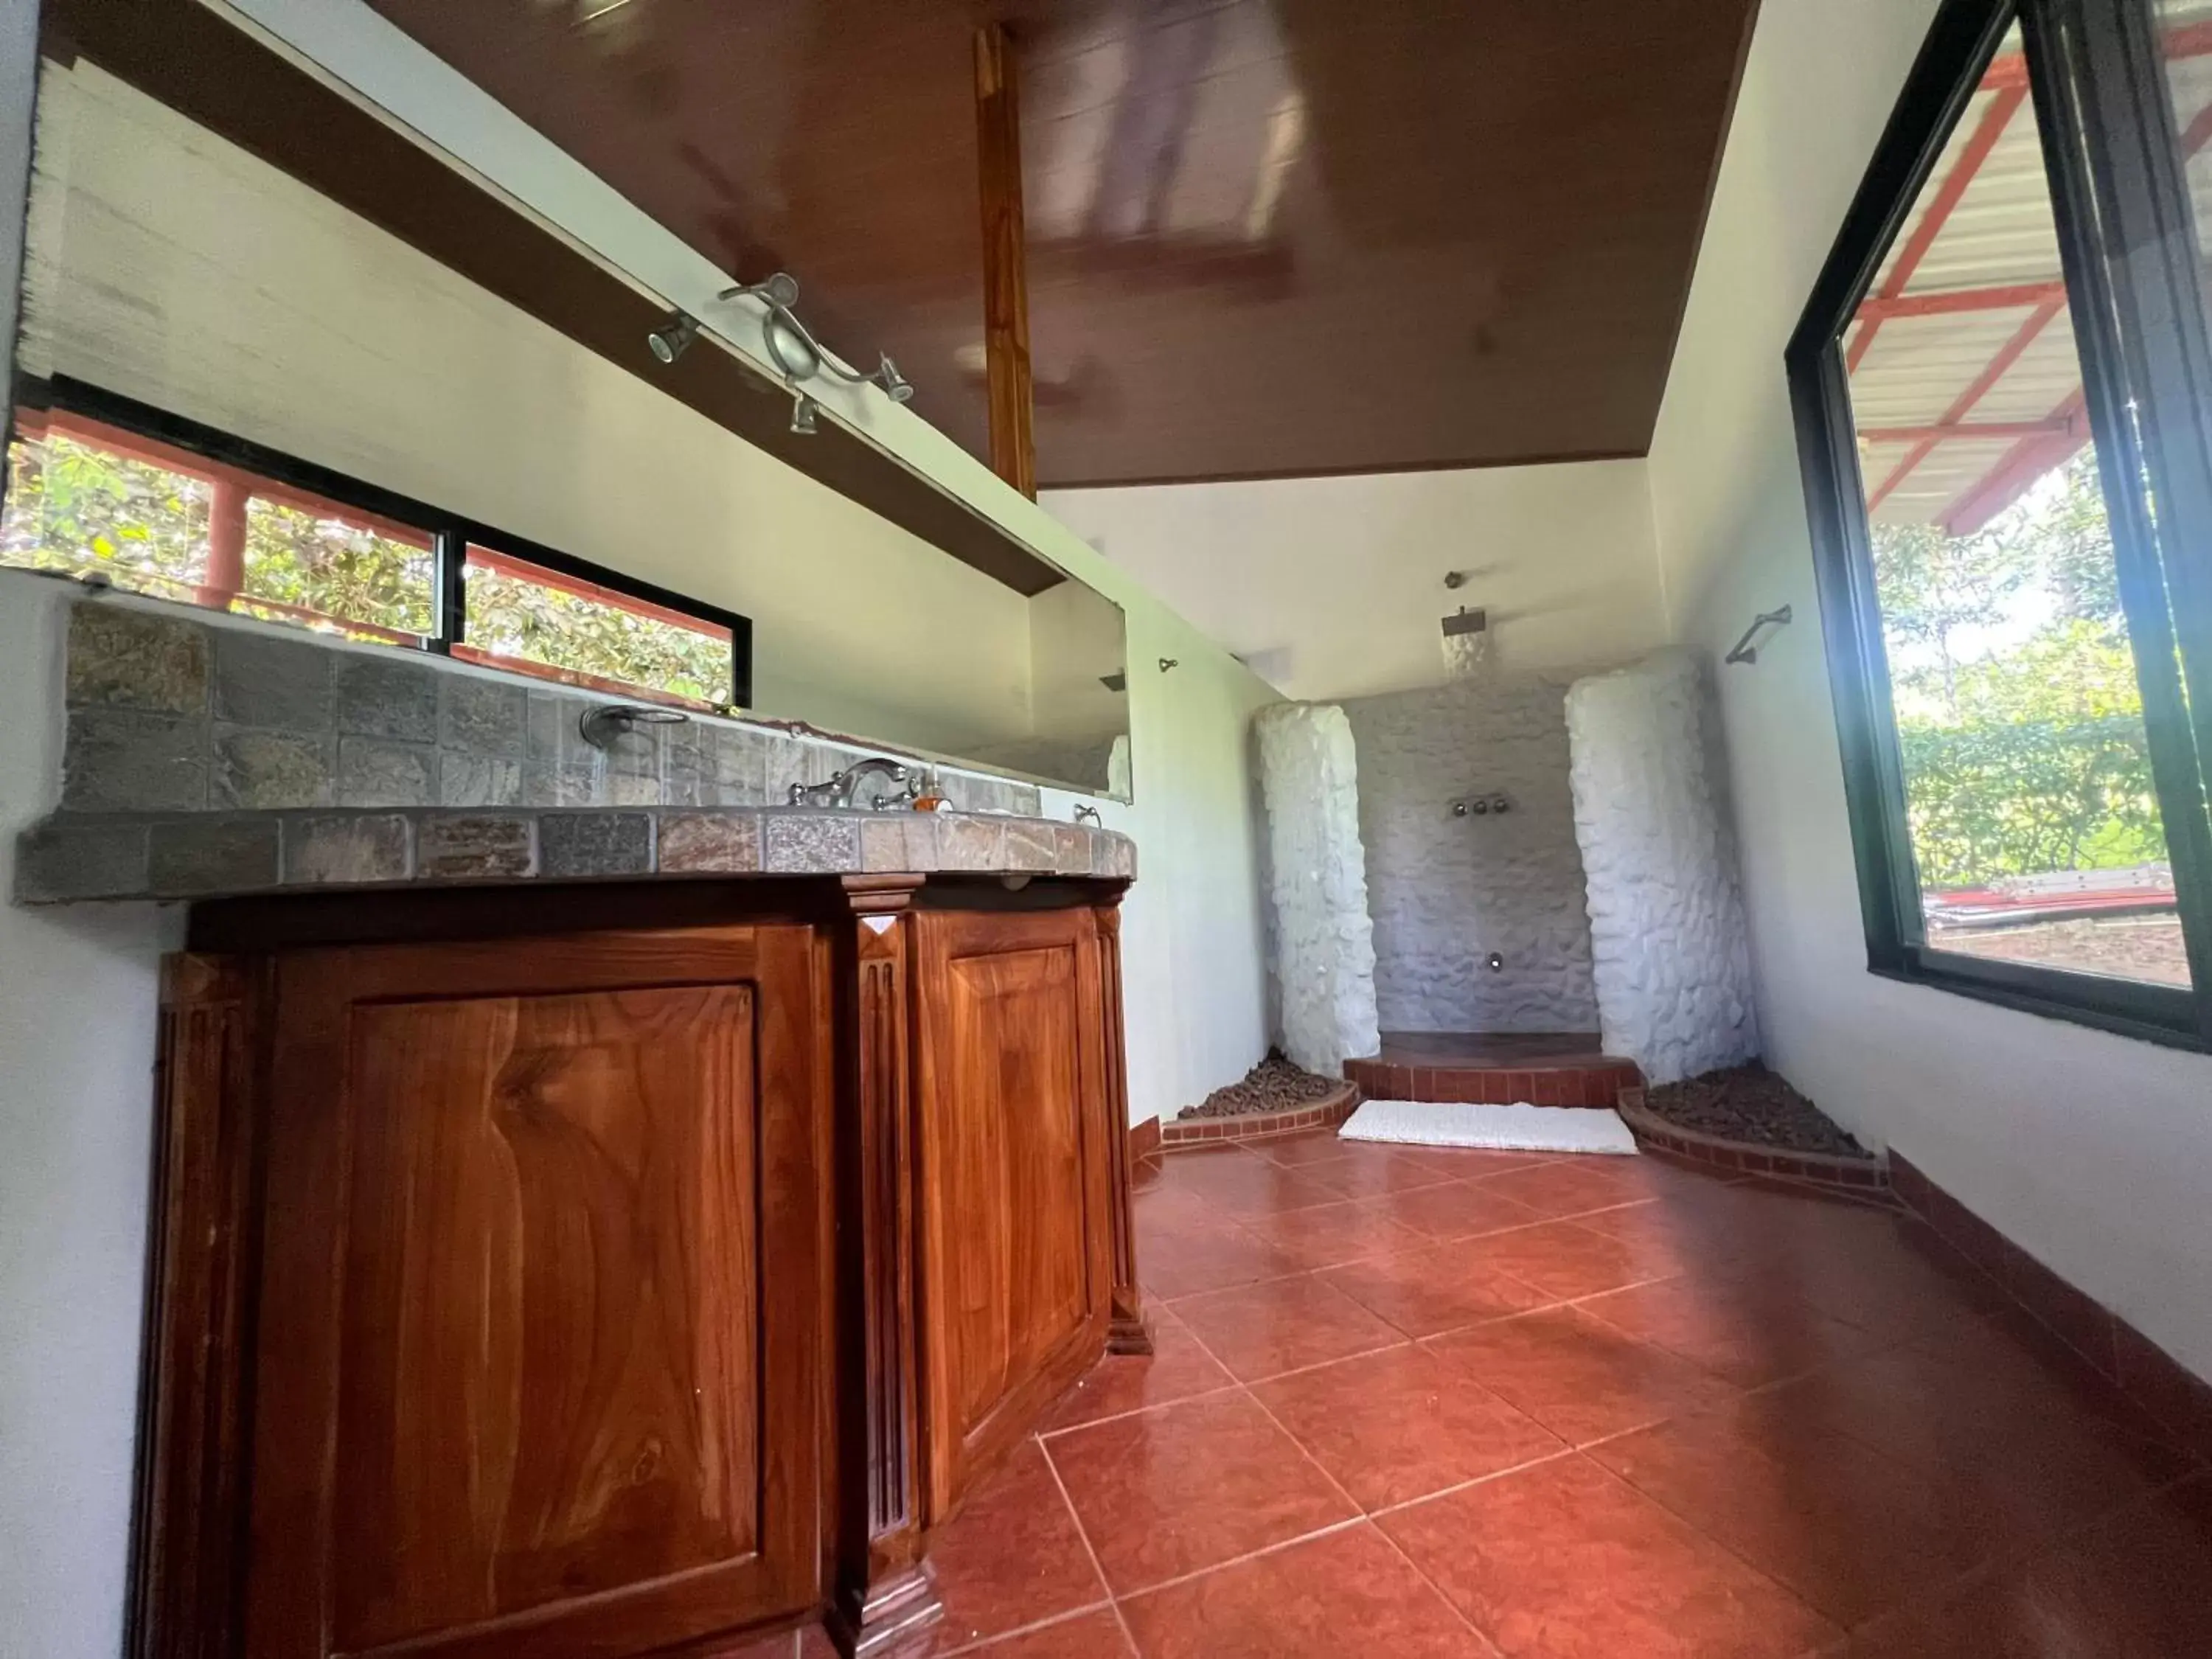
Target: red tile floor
1412 1403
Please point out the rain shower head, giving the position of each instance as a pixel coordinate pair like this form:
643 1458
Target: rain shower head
1466 642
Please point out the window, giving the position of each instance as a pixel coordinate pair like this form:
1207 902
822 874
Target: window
2005 418
97 484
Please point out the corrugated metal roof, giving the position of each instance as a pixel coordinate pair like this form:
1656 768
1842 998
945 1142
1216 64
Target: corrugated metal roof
1915 369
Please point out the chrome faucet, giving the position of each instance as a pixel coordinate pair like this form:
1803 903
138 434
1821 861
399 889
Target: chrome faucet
843 787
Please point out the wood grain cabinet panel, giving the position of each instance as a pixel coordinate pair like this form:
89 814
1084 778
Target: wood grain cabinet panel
1014 1177
537 1368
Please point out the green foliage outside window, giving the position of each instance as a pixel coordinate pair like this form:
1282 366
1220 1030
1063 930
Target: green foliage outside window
517 618
2023 740
76 507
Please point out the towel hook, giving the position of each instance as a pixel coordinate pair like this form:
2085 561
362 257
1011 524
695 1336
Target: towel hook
1744 650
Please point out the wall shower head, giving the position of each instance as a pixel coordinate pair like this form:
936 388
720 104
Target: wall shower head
674 337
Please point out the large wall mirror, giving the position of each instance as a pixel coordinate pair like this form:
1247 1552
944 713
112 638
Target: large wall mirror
362 399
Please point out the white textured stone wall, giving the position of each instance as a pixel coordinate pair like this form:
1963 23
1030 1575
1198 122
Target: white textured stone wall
1324 943
1672 958
1445 892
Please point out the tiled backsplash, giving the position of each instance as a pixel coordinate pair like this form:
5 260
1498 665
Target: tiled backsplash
167 713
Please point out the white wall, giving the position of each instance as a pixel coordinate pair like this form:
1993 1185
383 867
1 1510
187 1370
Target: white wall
2092 1152
76 1059
1333 587
1447 892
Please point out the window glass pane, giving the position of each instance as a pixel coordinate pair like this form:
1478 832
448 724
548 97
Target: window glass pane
312 563
2034 827
529 617
204 537
81 509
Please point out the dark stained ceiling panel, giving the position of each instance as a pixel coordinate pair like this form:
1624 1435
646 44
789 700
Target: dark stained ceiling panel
1266 236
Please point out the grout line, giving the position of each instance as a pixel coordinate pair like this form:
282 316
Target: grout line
1265 1550
1526 1464
1138 1411
984 1643
1082 1533
1403 1342
1360 1509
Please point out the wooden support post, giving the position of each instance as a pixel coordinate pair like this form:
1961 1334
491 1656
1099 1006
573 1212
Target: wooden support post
1006 266
884 1592
1126 1331
226 564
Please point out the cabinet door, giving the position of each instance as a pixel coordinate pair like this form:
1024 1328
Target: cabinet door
1013 1177
537 1358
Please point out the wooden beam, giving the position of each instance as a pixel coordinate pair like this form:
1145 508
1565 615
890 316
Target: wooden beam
1005 261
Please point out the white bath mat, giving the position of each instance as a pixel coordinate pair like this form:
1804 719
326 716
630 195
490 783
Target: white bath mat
1494 1129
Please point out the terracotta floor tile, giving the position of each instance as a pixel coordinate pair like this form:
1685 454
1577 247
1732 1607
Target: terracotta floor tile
2136 1586
1579 1376
1347 1592
1183 1257
1742 1332
1190 1485
1263 1330
1087 1636
1176 1369
1367 1170
1570 1187
1401 1425
1013 1556
1567 1261
1235 1182
1293 1151
1330 1235
1851 1531
1457 1210
2027 1453
1563 1561
1423 1292
1473 1164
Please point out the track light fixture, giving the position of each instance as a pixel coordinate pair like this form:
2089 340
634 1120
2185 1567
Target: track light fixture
798 354
674 337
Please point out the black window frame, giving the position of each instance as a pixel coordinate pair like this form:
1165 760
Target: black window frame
451 534
2129 254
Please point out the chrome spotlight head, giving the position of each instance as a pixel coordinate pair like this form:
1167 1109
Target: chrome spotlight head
790 348
674 337
900 388
803 409
781 290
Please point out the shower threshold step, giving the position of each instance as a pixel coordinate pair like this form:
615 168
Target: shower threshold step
1494 1068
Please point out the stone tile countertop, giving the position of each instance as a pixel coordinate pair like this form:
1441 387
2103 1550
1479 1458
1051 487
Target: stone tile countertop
77 856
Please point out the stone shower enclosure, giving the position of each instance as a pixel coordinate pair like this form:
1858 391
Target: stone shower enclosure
1603 900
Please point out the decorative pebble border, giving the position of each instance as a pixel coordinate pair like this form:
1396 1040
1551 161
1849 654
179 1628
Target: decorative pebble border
1861 1178
1181 1134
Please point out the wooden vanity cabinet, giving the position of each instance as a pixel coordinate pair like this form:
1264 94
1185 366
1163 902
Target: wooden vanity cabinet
540 1300
1016 1260
544 1285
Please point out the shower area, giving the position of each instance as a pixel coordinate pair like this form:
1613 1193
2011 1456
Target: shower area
1505 891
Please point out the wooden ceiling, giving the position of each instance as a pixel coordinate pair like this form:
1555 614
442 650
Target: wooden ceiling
1265 237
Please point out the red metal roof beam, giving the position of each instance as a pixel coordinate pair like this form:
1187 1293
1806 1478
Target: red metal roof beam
1984 139
2023 337
2008 296
1970 432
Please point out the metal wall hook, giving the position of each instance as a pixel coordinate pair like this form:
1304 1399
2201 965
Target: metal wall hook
1744 650
609 722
